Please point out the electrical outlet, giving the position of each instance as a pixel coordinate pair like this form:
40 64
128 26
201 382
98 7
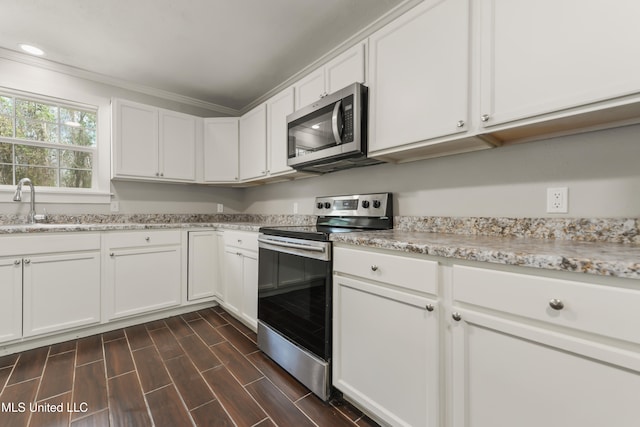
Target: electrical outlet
558 200
295 207
220 208
115 206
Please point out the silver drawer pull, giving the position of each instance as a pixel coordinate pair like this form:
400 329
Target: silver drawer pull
17 262
374 268
27 261
556 304
147 238
429 307
457 316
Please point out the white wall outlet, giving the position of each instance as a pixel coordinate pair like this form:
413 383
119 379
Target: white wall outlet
558 200
115 206
295 207
220 208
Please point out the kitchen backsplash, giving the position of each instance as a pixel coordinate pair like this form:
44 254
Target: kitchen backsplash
615 230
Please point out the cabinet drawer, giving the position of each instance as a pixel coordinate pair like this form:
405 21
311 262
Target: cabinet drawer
410 273
599 309
130 239
41 243
243 240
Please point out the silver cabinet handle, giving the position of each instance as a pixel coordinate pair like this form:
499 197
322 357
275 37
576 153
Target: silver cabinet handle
556 304
111 254
457 316
147 238
239 253
157 173
17 262
374 268
460 123
27 261
484 118
429 307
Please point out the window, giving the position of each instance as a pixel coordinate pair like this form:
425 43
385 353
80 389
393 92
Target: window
53 144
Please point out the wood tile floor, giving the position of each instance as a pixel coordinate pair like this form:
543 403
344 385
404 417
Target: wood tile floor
201 368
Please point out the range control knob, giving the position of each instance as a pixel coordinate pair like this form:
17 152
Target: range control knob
376 204
327 205
365 204
319 205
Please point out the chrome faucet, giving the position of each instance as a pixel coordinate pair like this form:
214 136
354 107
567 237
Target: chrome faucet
32 218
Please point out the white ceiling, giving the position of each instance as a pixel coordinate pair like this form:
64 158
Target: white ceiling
222 52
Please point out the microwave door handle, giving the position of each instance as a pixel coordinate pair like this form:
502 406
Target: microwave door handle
334 122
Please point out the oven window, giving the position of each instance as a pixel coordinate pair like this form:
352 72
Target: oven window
294 299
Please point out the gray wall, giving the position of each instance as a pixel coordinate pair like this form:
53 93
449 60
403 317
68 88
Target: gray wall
601 169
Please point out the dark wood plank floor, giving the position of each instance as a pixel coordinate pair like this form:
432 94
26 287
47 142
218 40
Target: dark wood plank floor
198 369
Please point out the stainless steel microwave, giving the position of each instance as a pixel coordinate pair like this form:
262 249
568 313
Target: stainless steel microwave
331 133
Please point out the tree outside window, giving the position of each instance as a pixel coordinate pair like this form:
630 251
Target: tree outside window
52 144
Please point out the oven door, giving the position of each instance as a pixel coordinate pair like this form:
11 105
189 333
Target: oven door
294 291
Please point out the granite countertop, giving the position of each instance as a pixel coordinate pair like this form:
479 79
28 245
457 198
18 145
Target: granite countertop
55 228
598 258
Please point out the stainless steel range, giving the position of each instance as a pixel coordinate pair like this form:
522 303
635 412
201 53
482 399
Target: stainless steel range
295 284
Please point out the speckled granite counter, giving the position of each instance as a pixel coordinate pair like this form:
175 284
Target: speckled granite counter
599 258
71 223
58 228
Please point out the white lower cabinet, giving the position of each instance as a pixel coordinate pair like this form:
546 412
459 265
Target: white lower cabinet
60 291
385 336
48 283
203 271
240 275
10 298
531 351
143 271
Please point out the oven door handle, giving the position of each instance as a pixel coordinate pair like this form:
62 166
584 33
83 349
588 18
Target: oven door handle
291 245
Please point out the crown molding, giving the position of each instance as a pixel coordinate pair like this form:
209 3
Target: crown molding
358 37
112 81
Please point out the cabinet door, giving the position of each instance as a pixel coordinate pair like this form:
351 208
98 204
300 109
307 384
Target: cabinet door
61 292
203 264
10 299
177 146
506 374
545 56
143 279
253 143
385 341
346 69
135 134
233 271
309 89
250 288
221 150
418 75
278 108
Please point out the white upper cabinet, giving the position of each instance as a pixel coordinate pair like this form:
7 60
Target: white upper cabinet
548 59
151 143
177 146
419 73
221 137
253 143
278 108
135 139
345 69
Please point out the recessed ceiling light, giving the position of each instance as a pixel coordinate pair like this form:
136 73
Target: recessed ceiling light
31 49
